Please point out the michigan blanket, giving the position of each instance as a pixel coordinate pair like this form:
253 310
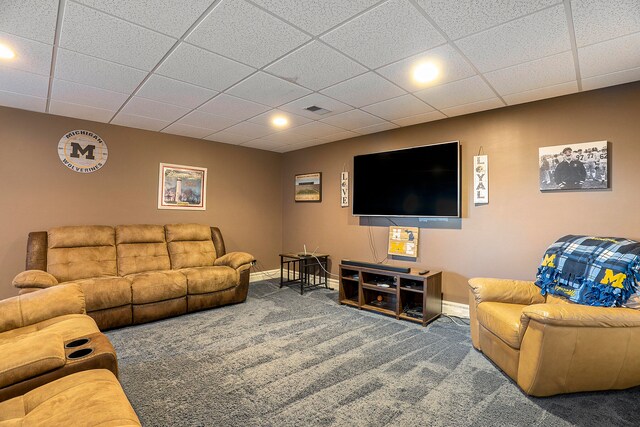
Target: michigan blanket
599 271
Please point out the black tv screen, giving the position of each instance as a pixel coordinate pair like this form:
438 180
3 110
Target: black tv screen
419 182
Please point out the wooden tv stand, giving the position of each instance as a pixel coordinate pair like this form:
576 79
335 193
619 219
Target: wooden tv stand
364 287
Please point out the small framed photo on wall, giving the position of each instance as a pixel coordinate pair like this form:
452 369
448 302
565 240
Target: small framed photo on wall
583 166
182 187
308 187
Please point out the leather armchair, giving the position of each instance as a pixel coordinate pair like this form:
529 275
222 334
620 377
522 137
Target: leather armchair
550 346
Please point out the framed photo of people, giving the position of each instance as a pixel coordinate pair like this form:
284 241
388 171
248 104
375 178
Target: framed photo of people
583 166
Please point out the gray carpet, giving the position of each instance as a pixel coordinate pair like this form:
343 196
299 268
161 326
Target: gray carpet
282 359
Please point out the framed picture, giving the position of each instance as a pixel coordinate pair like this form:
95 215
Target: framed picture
403 241
308 187
182 187
583 166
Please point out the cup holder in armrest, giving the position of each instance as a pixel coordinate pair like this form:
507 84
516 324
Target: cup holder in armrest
77 343
80 353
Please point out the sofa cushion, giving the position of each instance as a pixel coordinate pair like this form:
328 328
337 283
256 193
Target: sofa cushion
157 286
105 292
503 320
202 280
141 248
89 398
190 245
79 252
29 356
69 327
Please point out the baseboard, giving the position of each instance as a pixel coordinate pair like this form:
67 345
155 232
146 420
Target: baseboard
448 307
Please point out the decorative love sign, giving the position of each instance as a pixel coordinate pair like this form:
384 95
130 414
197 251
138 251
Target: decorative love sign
481 179
344 189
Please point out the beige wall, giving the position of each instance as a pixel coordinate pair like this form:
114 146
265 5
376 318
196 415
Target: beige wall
37 192
507 237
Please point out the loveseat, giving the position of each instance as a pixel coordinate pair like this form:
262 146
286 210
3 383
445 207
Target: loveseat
551 346
133 274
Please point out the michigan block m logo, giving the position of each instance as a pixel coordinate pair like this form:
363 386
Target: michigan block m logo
548 260
77 150
614 280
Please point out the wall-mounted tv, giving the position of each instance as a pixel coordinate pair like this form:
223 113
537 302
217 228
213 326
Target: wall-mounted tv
415 182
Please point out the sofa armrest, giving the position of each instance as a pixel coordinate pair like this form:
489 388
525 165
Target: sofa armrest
505 290
34 279
34 307
30 356
582 315
235 260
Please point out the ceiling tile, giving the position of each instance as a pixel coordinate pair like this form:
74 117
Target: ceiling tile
186 130
194 65
23 102
31 56
239 30
285 137
473 107
316 16
595 21
84 112
138 106
79 94
315 66
387 33
463 17
266 118
263 144
364 90
317 130
608 57
17 81
206 121
250 130
537 74
612 79
34 19
396 108
451 64
166 16
353 119
96 72
299 146
235 108
228 138
94 33
542 93
532 37
138 122
420 118
376 128
460 92
339 136
266 89
175 92
315 99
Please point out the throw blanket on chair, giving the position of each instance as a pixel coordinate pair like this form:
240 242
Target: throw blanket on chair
600 271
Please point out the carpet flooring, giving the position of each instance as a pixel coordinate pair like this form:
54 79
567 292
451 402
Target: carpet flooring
282 359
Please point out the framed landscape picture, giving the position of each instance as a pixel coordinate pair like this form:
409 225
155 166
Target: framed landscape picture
308 187
583 166
182 187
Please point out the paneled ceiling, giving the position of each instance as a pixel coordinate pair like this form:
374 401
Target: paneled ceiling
220 70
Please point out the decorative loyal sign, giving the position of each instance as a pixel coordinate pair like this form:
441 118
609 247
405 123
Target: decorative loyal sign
344 189
82 151
481 179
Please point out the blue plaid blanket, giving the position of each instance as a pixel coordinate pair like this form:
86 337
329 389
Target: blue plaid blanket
600 271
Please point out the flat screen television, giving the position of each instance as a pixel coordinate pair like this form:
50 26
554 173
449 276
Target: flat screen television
412 182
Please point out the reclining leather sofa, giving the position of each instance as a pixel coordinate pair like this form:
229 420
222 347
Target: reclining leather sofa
138 273
551 346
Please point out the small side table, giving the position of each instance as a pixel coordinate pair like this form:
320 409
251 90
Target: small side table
310 271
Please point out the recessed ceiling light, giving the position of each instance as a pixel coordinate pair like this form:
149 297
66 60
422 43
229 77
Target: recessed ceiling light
6 52
425 72
280 121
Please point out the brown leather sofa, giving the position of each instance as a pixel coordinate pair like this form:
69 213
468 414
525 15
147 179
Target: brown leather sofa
138 273
550 346
44 336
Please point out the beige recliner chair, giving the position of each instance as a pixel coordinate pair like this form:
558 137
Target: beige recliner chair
550 346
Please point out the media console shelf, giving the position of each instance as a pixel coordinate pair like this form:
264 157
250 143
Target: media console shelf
408 296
